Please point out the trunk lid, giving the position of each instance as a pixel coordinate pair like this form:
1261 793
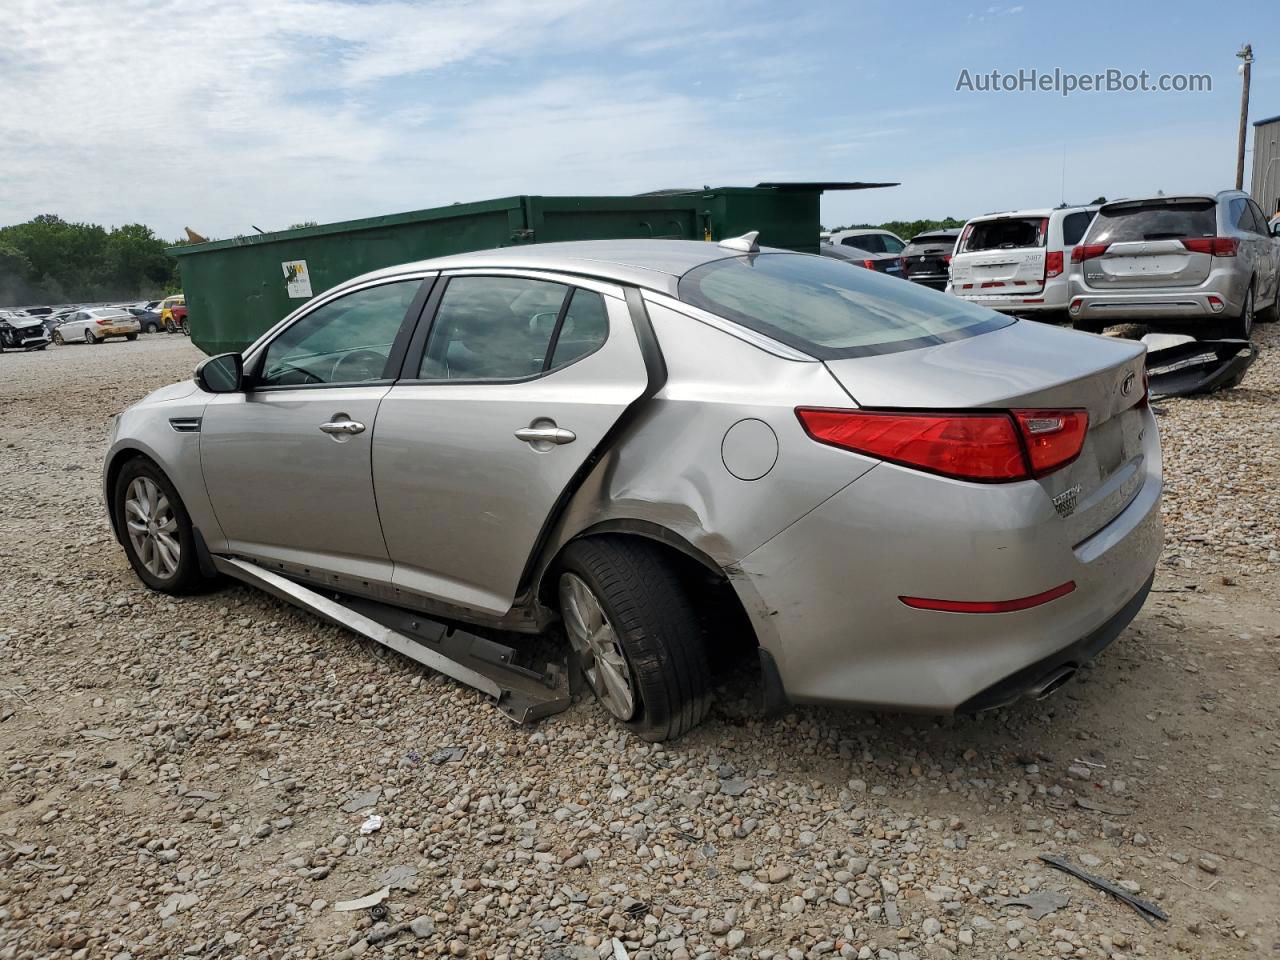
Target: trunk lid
1030 365
1139 244
1001 255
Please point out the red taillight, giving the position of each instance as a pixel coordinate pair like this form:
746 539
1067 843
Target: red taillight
946 258
1044 231
1088 252
964 237
869 264
101 320
1214 246
1053 437
1053 264
990 606
996 447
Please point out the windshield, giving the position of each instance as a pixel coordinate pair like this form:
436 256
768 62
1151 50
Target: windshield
830 309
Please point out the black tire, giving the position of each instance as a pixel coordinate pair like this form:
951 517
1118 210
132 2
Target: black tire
131 336
90 338
1240 327
655 621
187 577
1089 326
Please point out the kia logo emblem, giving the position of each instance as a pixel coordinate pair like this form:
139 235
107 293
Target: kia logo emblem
1127 386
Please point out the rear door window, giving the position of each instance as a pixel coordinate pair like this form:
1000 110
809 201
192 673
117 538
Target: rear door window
1154 220
1005 233
821 307
1073 227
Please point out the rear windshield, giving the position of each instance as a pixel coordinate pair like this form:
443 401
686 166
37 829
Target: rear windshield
933 240
1155 220
830 309
1006 233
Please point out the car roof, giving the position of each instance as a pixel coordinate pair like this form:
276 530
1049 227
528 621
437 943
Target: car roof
653 264
944 232
1172 197
1035 212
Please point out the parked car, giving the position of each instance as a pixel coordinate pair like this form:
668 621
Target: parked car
166 311
882 262
21 331
148 320
97 324
1207 263
178 318
870 240
153 305
609 435
927 258
1017 262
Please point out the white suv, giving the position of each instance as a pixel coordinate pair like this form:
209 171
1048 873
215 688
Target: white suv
1017 262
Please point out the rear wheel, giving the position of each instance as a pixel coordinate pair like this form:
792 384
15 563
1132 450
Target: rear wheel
89 338
637 635
1239 328
158 537
1272 313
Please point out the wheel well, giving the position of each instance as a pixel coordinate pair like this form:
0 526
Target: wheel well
726 628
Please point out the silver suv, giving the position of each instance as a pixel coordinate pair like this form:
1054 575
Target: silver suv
1210 261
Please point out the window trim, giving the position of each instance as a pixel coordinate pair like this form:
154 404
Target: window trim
257 353
412 362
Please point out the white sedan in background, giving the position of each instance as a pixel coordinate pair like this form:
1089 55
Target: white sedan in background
96 324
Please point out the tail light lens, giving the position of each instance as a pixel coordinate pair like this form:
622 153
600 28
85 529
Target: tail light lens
996 447
1053 437
1214 246
946 258
1043 238
964 237
1053 264
869 264
1088 252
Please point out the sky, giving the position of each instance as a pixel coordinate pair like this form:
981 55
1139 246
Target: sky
222 115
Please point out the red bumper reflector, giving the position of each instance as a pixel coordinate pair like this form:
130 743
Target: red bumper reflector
990 606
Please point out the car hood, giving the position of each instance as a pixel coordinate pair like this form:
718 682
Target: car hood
174 391
21 323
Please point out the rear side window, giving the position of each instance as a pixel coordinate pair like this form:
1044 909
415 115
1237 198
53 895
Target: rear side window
830 309
1073 227
1006 233
511 328
869 242
1154 220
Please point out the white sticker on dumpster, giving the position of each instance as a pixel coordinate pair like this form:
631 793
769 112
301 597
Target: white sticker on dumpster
299 281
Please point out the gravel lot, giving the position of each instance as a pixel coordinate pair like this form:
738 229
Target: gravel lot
184 778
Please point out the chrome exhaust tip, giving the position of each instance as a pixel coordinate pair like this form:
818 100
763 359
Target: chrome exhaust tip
1050 682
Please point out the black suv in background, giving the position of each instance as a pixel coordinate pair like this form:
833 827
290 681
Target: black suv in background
926 258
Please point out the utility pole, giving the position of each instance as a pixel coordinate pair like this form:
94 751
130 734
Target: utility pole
1246 55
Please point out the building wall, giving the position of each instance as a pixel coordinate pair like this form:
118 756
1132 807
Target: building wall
1266 166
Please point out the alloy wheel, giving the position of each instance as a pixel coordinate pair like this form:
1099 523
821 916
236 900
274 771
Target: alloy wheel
88 337
596 643
153 527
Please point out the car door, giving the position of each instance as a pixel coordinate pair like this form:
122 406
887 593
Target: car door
1268 263
504 396
287 461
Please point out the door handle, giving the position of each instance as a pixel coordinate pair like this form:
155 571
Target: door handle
340 427
545 435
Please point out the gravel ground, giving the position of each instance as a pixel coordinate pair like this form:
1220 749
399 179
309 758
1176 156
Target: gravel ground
195 777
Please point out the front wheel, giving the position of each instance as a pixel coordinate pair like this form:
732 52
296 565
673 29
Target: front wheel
57 338
158 536
636 634
1272 313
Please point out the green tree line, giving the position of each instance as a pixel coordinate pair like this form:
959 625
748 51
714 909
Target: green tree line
907 229
48 260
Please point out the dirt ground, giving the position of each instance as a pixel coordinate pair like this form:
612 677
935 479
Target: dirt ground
181 777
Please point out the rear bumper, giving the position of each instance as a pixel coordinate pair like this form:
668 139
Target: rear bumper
828 587
936 280
1191 304
1053 298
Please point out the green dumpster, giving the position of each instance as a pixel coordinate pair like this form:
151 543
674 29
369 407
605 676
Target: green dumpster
238 288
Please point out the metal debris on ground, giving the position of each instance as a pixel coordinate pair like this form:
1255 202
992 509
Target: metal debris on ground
1145 909
1186 366
372 825
363 903
447 755
1039 904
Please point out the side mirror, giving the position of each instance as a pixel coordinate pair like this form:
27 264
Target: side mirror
1275 229
221 374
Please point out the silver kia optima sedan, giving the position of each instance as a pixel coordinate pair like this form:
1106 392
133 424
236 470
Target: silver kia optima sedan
897 498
